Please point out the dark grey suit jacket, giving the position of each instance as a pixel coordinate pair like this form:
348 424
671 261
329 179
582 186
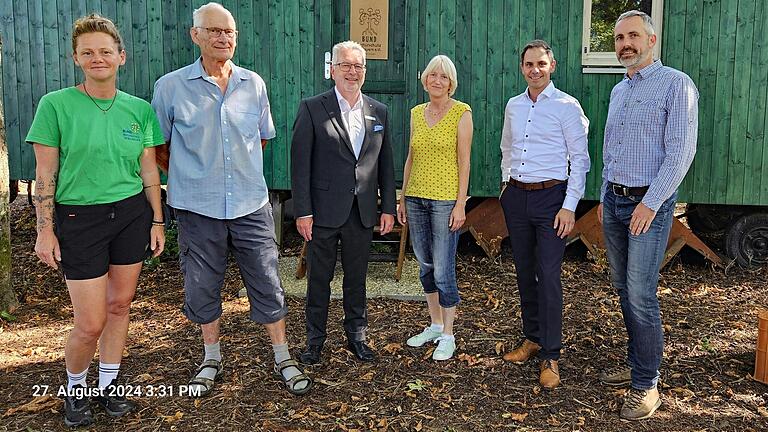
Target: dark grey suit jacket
324 171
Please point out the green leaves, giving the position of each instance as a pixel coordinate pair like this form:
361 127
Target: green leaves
417 385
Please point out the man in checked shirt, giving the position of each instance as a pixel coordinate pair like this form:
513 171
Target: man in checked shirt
650 141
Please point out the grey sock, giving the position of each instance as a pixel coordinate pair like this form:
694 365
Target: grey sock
212 352
282 354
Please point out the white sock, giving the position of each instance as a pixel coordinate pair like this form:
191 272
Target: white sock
107 373
447 337
436 327
74 379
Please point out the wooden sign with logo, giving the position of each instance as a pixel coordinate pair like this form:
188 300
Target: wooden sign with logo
369 26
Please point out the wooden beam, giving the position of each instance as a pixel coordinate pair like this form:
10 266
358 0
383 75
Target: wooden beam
8 300
486 224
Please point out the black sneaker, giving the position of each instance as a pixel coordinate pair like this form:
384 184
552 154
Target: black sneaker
113 401
77 408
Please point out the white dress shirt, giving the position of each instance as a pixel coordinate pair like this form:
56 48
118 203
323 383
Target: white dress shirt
352 116
540 138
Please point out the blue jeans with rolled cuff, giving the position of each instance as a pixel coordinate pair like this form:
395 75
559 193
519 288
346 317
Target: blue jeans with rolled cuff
635 261
435 246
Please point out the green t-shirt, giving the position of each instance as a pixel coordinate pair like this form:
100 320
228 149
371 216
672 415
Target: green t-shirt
99 153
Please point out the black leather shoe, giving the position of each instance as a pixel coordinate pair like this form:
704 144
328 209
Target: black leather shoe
311 354
362 351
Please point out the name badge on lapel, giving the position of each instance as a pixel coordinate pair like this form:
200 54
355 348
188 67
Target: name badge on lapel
370 118
378 128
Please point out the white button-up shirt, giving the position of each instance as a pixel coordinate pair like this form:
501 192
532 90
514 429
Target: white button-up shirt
352 116
541 139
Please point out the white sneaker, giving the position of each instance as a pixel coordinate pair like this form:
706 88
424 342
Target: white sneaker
428 335
446 345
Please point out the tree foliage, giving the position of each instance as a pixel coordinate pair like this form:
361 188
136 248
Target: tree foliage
604 15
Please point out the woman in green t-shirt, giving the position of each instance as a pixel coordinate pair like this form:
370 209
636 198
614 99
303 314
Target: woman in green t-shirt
96 177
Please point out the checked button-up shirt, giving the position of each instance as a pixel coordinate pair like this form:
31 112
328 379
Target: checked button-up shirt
650 132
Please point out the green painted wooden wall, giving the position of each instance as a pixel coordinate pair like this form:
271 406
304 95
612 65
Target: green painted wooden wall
722 45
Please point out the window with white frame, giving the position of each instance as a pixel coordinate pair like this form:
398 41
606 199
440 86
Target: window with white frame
597 49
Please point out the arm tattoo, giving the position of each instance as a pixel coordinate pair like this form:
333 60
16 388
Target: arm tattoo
45 193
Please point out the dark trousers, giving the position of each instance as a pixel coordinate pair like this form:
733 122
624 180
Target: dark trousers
321 262
538 255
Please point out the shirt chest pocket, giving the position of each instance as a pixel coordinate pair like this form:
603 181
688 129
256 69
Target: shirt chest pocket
247 124
647 112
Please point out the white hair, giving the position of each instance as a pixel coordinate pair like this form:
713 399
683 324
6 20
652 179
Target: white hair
346 45
199 13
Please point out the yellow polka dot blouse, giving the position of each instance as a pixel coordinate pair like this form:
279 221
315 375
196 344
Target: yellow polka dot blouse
434 162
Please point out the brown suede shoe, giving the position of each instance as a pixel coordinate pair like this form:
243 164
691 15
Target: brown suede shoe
550 375
522 353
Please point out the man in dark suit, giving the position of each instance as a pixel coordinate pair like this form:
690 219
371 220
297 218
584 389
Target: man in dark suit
341 161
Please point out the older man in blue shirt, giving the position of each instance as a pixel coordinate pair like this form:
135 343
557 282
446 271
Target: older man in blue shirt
650 141
544 164
216 118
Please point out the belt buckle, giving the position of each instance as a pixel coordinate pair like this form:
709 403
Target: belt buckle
620 190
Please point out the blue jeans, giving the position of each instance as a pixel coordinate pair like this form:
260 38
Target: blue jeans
635 262
435 246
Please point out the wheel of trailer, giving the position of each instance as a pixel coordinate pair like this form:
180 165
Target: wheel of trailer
707 219
747 240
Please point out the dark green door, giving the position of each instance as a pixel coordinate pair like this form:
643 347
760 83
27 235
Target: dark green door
385 80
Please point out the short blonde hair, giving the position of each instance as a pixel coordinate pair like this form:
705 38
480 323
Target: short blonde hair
95 23
446 65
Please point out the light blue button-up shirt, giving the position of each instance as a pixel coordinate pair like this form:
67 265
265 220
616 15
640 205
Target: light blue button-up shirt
650 132
216 166
546 140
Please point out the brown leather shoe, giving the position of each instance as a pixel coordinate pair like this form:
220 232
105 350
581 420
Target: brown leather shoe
550 375
522 353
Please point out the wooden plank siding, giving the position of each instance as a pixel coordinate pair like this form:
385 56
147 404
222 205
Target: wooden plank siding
24 81
756 156
723 46
758 120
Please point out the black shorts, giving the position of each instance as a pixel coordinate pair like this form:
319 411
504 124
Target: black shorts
92 237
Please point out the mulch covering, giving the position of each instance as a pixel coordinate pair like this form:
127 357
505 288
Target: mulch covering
710 319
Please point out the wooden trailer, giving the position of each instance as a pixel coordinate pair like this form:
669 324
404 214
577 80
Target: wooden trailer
721 44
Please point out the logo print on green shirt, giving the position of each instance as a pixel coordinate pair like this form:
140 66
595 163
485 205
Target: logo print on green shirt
132 133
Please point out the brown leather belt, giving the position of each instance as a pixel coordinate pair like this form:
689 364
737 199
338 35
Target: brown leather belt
534 186
625 191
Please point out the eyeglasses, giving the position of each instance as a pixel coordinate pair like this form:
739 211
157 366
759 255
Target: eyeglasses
346 67
217 32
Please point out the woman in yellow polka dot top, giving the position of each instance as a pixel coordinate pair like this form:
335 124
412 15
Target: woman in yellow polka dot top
435 181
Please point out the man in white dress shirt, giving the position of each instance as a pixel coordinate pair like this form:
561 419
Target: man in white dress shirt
543 141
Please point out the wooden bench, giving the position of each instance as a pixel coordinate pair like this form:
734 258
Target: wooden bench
400 230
